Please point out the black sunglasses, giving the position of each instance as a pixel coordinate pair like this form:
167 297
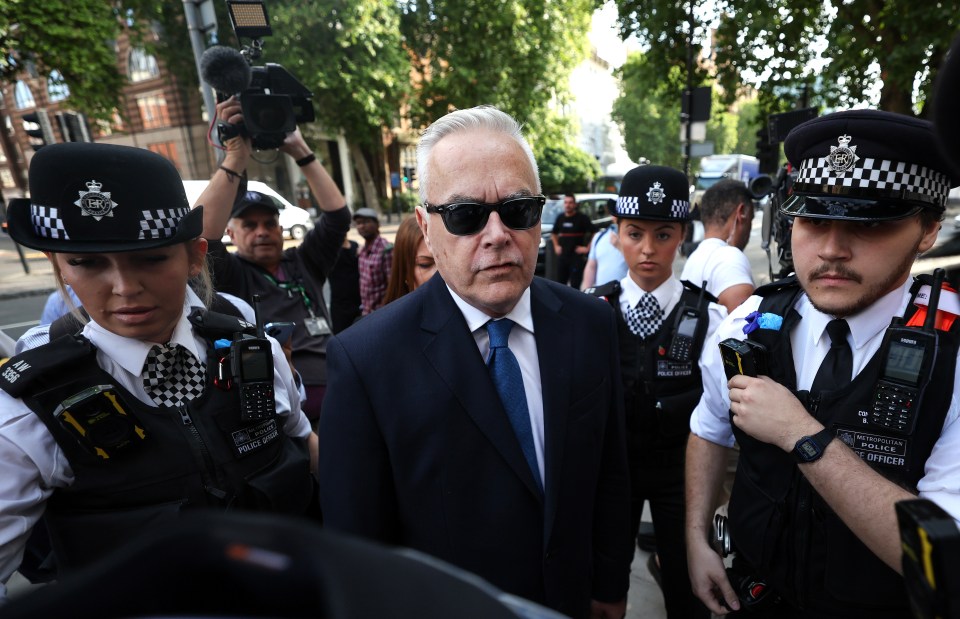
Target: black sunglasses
466 218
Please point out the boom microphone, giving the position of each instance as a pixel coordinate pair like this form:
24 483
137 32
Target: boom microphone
225 69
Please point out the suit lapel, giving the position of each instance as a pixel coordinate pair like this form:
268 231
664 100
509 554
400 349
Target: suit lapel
553 333
451 350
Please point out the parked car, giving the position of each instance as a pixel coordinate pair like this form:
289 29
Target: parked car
295 221
594 205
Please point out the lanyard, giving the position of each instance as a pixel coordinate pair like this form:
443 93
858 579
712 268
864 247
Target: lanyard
290 288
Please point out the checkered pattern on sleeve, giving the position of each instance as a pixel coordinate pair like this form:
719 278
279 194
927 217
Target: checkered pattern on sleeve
172 375
47 223
877 178
161 224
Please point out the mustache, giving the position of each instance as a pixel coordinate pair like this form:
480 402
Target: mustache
837 270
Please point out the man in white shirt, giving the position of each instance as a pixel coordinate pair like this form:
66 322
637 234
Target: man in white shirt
811 517
727 213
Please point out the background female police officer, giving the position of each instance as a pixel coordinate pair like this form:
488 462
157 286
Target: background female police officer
107 431
662 326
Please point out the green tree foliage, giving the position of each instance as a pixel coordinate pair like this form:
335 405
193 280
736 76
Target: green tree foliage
566 169
648 111
515 54
74 37
822 52
349 53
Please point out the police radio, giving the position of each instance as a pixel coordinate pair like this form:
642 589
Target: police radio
908 354
251 360
684 329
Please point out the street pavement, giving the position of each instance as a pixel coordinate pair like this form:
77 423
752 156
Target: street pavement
645 600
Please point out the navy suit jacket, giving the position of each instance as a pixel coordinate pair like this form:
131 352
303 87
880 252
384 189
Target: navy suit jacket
416 449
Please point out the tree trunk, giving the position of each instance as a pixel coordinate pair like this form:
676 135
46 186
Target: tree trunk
370 197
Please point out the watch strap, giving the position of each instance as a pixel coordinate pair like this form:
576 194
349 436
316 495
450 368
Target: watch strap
820 440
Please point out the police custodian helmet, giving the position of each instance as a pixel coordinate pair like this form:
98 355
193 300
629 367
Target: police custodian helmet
866 165
93 198
654 192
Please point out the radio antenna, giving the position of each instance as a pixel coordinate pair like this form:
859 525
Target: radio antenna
930 324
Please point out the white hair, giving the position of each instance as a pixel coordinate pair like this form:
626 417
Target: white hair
481 117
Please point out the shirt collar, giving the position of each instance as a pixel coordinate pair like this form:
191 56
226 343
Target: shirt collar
864 325
130 353
476 319
664 293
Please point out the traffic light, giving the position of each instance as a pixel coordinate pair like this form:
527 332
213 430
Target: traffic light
767 152
31 126
37 127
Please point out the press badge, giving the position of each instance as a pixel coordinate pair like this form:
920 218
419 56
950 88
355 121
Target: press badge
317 326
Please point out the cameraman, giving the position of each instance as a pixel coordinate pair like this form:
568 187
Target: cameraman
811 516
289 281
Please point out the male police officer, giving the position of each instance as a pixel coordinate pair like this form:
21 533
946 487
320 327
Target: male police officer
813 516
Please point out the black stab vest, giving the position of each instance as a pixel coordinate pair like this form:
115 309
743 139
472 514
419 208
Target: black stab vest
660 393
782 528
197 456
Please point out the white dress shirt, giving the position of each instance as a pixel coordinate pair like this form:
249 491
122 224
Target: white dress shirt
668 296
810 343
523 345
32 465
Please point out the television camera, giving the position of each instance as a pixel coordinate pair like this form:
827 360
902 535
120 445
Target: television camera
273 102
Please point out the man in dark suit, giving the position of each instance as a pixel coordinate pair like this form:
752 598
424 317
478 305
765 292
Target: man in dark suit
496 447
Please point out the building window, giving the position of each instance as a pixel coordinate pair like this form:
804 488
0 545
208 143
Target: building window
57 89
23 96
153 111
166 149
6 179
141 65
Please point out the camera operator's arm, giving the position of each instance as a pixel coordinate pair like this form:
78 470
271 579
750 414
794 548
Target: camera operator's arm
862 498
217 199
324 189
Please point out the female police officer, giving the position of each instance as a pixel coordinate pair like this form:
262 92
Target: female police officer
110 430
663 323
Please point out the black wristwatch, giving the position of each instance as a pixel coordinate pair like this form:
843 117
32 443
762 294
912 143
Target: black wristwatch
810 448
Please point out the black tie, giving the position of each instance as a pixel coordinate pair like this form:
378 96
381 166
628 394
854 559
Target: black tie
837 367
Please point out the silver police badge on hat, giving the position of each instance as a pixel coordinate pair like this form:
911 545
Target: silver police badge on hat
95 203
656 194
842 158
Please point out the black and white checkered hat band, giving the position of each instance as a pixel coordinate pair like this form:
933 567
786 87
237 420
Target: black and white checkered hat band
875 179
629 206
161 224
47 223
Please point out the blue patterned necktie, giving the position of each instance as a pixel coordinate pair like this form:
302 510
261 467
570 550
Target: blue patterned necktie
505 372
645 319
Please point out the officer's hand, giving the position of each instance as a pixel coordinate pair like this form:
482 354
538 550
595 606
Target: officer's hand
769 412
708 579
581 249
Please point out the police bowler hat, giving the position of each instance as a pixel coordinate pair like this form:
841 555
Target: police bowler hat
654 192
946 93
92 198
866 165
250 199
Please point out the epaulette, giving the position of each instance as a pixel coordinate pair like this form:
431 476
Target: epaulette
606 290
697 289
21 370
777 286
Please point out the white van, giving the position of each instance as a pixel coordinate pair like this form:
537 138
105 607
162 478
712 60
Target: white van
295 221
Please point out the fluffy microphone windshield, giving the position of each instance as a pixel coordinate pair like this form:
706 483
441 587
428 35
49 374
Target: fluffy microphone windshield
225 69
